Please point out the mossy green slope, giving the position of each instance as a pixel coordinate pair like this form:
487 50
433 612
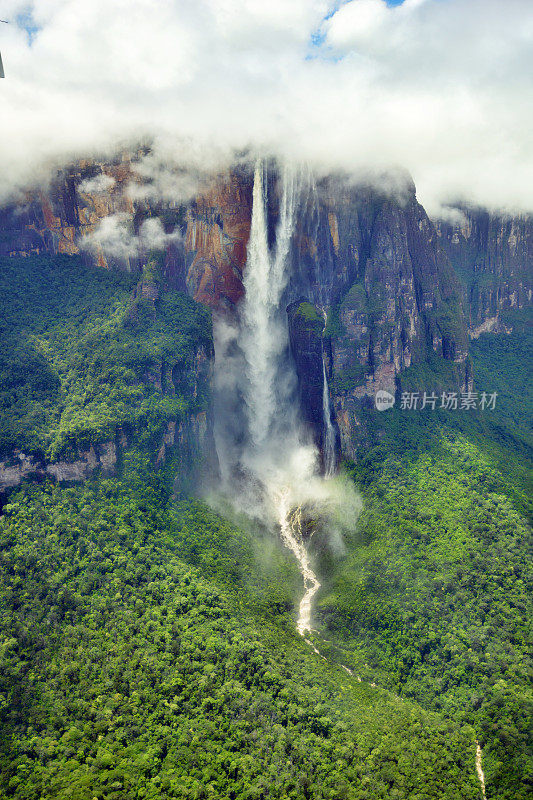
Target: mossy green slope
147 645
433 597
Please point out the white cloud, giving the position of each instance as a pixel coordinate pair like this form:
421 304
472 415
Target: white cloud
175 171
152 236
114 236
97 185
358 23
440 87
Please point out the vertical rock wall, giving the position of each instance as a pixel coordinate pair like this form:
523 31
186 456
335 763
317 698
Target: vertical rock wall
396 287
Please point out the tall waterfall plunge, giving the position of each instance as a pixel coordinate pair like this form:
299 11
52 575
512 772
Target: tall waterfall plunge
264 330
269 464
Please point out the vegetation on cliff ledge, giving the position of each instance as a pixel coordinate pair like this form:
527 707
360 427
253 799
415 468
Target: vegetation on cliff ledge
76 357
309 317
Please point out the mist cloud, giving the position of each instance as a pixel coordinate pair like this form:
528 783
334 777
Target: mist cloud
114 237
97 185
439 87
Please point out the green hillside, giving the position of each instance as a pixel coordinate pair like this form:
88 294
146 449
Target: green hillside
127 674
433 596
148 646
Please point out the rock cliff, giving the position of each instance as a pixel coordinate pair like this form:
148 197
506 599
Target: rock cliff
206 256
373 264
20 466
493 257
56 219
217 232
189 438
395 287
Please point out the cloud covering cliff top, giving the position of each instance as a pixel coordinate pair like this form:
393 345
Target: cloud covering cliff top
442 88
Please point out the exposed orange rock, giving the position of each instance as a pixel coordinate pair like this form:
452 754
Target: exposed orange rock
218 229
49 218
334 230
101 261
306 244
213 252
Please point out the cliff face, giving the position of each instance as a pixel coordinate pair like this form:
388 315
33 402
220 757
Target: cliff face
56 220
395 287
206 257
373 264
493 257
305 331
20 466
189 437
216 236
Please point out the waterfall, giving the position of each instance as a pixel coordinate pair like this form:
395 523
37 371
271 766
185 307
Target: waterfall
277 455
269 464
329 430
264 336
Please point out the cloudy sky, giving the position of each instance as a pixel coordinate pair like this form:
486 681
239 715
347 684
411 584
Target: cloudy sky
440 87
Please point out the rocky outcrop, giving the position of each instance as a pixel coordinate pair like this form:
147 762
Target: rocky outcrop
205 254
374 265
217 233
20 466
493 257
187 438
190 439
305 333
55 220
191 442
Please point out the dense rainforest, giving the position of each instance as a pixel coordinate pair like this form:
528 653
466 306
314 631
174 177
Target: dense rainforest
148 646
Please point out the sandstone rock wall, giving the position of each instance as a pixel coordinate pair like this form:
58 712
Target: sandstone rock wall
206 255
20 466
190 436
56 219
493 256
373 263
395 286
